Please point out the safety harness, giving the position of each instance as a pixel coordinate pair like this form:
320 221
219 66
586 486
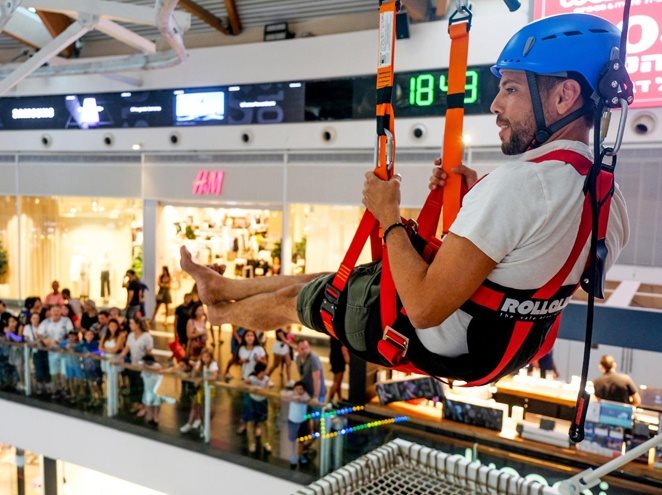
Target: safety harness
523 324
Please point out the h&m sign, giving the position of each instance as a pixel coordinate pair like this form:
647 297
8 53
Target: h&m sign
208 183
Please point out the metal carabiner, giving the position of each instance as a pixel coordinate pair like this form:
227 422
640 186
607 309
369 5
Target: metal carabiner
621 129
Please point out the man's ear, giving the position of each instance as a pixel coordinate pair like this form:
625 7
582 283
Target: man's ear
569 96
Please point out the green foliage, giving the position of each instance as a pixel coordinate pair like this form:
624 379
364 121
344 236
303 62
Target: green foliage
137 262
190 233
276 250
299 250
4 263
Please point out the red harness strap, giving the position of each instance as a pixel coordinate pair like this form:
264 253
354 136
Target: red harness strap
394 345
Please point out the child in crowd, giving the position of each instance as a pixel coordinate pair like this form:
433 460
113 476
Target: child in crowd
256 408
297 424
205 369
152 379
282 351
73 373
91 364
248 355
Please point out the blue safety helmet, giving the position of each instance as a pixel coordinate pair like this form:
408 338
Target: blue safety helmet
559 44
578 46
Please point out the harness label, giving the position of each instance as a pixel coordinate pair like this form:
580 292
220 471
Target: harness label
532 309
385 39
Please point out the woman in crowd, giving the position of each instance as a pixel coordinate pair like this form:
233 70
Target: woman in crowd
248 355
39 356
163 296
282 351
235 343
112 343
9 377
205 369
90 316
197 333
138 343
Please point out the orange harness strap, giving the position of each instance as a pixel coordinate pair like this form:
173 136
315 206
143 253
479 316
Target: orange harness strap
450 196
384 165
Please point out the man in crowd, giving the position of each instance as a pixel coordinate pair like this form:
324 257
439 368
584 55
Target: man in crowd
55 297
512 236
614 386
52 331
101 326
134 292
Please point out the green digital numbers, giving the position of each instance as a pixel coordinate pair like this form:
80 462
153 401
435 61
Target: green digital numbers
422 88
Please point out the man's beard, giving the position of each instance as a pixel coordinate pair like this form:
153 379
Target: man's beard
520 139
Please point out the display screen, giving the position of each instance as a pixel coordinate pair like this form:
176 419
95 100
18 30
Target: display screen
195 107
415 94
616 414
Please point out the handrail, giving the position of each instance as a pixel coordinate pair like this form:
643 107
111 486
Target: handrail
240 386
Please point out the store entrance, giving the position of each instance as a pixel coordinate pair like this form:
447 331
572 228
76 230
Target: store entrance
246 240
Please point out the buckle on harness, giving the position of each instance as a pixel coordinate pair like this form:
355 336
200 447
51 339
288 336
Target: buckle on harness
330 301
395 338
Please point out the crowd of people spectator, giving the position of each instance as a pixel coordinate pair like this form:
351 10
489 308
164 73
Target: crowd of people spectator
73 345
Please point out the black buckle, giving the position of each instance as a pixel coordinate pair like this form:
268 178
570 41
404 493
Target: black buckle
330 301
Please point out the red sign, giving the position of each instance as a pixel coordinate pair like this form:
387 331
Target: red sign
208 183
644 50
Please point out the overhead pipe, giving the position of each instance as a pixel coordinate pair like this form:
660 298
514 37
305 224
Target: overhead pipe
166 23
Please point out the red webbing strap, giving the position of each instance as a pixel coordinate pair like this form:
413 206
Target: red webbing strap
522 328
450 195
384 156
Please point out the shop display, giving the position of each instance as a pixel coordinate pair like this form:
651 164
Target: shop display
410 389
241 239
473 414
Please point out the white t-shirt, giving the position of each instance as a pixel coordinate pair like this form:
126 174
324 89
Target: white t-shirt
251 358
55 330
139 347
258 382
209 370
525 216
280 348
30 333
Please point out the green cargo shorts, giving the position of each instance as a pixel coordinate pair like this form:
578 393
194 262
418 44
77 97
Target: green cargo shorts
358 316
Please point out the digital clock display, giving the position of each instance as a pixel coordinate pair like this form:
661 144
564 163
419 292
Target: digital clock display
415 94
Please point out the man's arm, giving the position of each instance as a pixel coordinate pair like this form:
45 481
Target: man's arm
316 384
129 297
429 293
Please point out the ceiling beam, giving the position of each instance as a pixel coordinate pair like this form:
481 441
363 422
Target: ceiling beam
56 24
204 15
233 17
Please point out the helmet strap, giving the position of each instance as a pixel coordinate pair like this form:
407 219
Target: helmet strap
544 131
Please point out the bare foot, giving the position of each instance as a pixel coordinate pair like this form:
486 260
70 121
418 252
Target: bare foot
210 282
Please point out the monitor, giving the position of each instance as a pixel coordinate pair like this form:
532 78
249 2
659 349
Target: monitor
199 106
616 414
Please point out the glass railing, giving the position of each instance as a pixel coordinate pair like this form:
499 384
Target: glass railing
190 409
233 418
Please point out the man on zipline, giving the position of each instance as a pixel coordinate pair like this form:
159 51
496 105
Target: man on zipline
514 232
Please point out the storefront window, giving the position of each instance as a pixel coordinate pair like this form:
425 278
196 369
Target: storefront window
247 241
326 232
8 249
87 244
